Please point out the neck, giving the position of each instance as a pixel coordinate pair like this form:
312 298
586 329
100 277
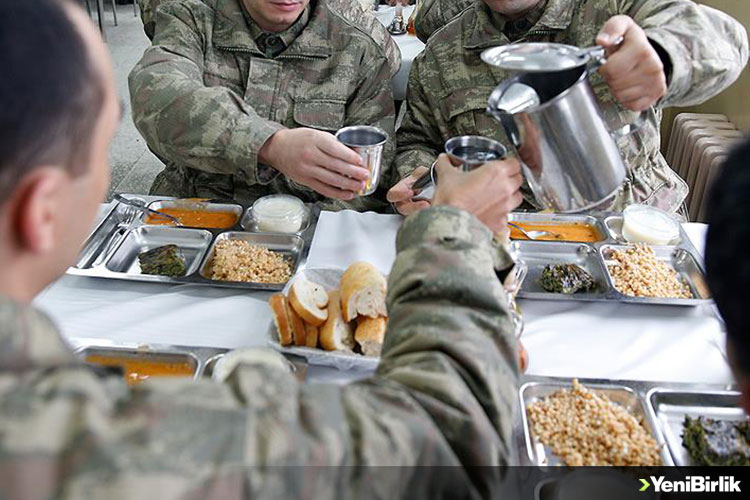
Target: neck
516 12
19 276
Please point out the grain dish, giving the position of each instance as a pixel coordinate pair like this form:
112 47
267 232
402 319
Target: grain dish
639 273
237 260
584 428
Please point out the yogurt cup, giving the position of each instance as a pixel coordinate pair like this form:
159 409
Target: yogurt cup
279 213
646 224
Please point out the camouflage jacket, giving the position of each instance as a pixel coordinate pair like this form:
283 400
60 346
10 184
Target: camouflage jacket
206 98
442 394
434 14
449 85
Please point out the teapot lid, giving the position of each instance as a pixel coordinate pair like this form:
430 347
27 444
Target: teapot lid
536 57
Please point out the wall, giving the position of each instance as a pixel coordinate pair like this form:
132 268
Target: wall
733 102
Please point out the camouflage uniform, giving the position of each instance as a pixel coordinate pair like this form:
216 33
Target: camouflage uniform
434 14
214 87
442 394
449 85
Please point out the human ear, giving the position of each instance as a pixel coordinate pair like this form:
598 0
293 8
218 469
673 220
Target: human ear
37 214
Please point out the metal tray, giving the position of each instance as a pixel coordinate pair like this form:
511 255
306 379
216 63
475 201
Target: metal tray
627 397
192 242
669 408
196 205
680 260
593 258
112 248
537 254
286 244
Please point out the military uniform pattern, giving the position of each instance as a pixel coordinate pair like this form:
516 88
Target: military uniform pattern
443 394
449 84
434 14
206 98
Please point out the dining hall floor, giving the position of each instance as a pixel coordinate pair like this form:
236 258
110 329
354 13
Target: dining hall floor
133 165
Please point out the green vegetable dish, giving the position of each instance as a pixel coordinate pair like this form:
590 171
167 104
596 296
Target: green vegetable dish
163 261
567 279
717 442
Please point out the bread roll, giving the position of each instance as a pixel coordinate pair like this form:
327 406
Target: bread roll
336 333
370 334
363 291
298 326
312 336
309 300
278 304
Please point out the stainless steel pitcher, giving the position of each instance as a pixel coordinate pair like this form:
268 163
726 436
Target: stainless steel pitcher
553 120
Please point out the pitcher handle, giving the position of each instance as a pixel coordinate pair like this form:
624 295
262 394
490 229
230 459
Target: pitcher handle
630 128
505 119
598 54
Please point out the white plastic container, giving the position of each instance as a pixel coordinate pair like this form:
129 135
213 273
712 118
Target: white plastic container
279 213
645 224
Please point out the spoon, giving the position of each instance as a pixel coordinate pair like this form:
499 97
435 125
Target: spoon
534 235
143 209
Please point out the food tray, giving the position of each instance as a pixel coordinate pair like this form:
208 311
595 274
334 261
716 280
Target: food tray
627 397
594 257
328 278
669 408
112 249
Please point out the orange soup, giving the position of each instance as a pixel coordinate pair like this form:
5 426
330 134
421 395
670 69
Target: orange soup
138 369
578 232
195 218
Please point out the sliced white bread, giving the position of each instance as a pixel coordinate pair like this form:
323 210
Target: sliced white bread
309 300
370 334
279 308
363 291
311 339
299 334
336 333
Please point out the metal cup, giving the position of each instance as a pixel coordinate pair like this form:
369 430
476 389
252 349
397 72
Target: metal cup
369 143
472 151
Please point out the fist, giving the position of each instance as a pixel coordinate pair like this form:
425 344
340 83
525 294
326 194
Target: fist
489 192
634 71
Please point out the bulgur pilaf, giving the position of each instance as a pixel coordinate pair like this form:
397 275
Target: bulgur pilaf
237 260
638 273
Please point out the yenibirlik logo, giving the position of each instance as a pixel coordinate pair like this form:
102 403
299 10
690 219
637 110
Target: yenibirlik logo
693 484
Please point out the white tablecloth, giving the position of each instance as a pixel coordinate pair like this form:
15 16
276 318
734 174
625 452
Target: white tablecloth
563 338
410 47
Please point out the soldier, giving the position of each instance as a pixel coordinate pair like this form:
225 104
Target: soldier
443 393
239 98
675 53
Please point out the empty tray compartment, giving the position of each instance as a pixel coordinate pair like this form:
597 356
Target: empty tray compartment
536 255
550 219
626 397
682 261
290 246
193 243
196 206
670 407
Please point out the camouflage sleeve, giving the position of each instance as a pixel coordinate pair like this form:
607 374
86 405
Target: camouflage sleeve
420 138
707 48
434 14
205 128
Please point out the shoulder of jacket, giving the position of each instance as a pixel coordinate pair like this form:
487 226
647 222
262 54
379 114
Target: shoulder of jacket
360 24
456 29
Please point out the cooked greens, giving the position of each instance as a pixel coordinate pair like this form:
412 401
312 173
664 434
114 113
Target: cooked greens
566 278
717 442
163 261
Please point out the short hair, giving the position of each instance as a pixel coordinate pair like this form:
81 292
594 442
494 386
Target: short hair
51 93
728 251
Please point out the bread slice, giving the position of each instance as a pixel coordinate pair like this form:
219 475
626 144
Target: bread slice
336 333
299 334
311 339
280 310
309 300
363 291
370 334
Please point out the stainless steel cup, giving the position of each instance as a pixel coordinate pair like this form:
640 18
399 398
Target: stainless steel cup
473 150
369 143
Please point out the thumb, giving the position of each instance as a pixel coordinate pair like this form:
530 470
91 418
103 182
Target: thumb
616 27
